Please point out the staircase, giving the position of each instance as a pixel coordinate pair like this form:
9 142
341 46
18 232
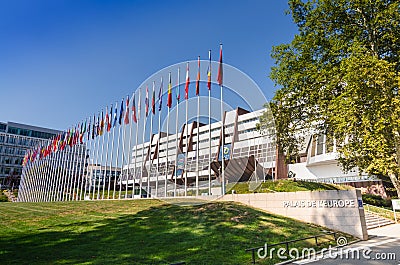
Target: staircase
373 220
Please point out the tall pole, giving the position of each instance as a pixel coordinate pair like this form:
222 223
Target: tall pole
106 128
159 133
186 125
198 127
177 129
111 155
140 166
136 147
126 121
130 148
116 156
143 162
220 81
169 104
209 123
150 143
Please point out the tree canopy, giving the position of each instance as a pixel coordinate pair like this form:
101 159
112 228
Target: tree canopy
340 77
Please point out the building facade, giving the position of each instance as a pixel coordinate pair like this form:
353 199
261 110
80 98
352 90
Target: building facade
190 162
15 140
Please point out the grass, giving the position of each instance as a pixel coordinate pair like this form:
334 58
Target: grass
285 185
389 214
140 232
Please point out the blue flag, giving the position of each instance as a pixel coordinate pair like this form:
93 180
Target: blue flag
115 114
121 112
160 95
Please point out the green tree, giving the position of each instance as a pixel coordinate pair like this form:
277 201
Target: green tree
340 76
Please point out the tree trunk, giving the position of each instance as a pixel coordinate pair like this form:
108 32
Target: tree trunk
396 183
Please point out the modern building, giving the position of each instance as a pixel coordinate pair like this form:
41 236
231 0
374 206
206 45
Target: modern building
15 140
189 163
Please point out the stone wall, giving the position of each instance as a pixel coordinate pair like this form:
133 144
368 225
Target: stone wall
338 210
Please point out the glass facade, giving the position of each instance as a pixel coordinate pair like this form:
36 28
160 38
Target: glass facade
14 142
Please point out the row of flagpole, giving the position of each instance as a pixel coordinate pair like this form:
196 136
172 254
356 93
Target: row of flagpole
70 166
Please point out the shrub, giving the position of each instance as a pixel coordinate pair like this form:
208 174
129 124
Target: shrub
376 200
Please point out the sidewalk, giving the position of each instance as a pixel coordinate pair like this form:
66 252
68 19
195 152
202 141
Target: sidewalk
386 231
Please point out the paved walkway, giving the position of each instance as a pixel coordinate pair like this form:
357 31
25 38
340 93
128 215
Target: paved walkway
387 231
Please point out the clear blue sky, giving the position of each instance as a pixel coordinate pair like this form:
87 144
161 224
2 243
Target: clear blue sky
61 61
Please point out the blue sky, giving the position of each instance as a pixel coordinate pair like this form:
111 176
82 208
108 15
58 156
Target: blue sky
62 61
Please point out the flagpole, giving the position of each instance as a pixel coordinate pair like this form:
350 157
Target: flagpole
97 147
61 171
186 127
136 143
130 150
117 154
122 158
101 176
143 162
209 124
84 162
137 134
222 128
198 127
112 152
76 160
68 170
123 148
90 153
177 132
159 134
150 143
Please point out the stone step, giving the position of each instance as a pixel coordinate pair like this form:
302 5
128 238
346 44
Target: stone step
373 220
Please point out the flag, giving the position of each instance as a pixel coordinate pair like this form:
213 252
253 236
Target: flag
88 131
198 77
146 101
187 82
94 128
220 70
126 120
209 71
101 127
134 109
107 120
160 95
121 112
139 106
153 100
83 130
169 103
108 116
115 114
178 94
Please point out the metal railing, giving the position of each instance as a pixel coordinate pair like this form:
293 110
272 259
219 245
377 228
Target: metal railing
286 244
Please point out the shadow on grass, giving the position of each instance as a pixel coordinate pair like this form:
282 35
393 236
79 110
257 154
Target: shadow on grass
214 233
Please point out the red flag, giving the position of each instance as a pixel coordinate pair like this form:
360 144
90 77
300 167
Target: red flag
187 82
220 70
209 71
108 124
153 101
169 103
126 120
134 109
198 77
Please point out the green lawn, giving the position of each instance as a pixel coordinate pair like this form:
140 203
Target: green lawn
139 232
284 185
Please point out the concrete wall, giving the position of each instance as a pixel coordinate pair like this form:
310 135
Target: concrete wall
337 210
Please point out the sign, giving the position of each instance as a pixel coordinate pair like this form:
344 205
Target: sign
180 164
227 152
339 203
396 204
